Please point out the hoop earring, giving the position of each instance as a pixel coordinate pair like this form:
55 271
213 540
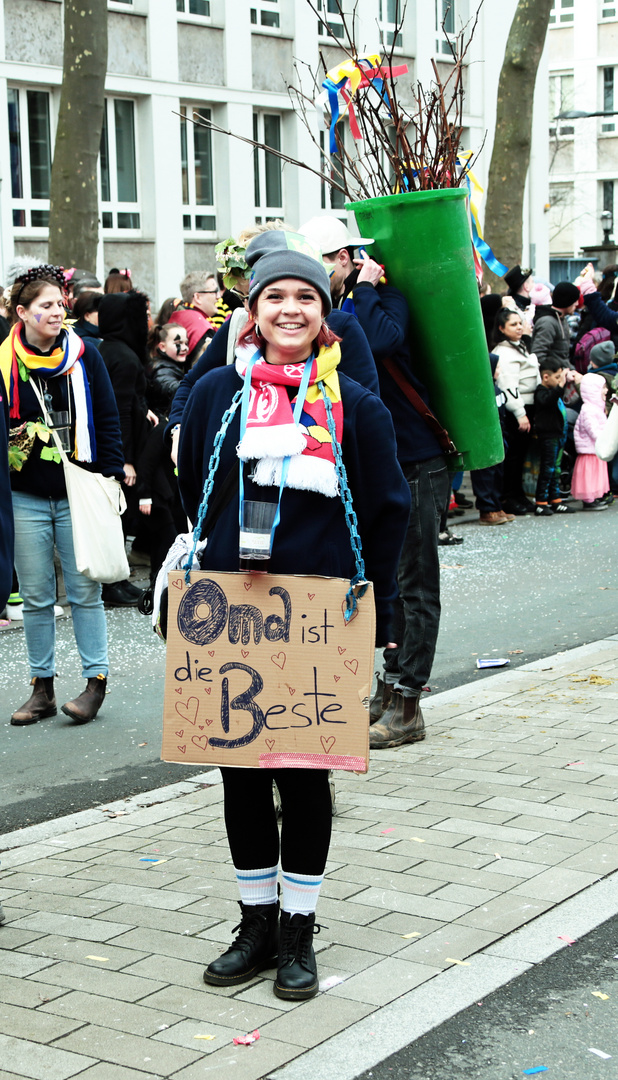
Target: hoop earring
258 332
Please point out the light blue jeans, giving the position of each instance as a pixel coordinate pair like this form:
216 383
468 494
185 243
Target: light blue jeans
40 524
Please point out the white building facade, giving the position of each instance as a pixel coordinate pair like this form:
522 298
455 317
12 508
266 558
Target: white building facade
170 190
583 77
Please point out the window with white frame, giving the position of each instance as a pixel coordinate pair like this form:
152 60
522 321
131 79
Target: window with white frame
198 187
445 26
608 105
562 13
331 21
193 7
266 14
267 172
561 100
120 208
30 141
390 18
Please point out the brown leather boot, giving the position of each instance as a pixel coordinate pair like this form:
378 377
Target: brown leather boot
401 723
86 706
42 703
380 700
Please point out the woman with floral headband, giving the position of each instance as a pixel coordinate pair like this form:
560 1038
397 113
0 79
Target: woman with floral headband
287 457
42 360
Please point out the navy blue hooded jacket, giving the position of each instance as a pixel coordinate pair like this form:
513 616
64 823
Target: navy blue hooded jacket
312 537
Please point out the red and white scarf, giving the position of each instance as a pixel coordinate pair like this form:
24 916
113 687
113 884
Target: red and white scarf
271 433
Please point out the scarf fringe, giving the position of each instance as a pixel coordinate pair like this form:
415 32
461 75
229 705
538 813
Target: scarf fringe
284 440
304 474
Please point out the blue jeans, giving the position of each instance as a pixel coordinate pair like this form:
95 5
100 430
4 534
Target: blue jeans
39 524
417 610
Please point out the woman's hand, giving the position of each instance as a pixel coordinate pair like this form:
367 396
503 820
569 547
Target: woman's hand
130 475
524 423
152 416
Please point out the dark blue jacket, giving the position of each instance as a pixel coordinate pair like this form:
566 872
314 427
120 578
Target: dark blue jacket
601 313
356 360
312 537
383 314
46 478
6 505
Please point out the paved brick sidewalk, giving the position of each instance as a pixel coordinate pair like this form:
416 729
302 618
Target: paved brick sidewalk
509 808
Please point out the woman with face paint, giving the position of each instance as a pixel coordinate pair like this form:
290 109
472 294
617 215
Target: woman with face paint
43 360
169 348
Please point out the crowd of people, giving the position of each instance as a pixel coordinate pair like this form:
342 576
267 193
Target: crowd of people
305 318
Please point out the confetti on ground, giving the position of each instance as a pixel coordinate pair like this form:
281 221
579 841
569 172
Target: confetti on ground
206 1037
418 839
603 997
496 855
573 763
536 1069
565 937
387 830
462 963
332 980
101 959
153 861
415 933
246 1040
597 680
599 1053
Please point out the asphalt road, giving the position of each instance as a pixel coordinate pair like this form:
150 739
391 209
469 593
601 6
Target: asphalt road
550 1018
521 592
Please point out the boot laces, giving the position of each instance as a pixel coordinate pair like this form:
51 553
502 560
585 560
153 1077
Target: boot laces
295 944
250 929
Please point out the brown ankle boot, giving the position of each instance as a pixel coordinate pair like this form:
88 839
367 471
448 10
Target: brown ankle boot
380 700
401 723
86 706
42 703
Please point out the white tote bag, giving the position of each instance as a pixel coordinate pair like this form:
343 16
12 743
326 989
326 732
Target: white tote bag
96 503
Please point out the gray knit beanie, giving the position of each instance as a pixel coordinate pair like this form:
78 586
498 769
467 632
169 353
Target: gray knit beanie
602 354
280 254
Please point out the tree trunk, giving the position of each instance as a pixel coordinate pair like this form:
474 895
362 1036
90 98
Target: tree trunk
511 152
74 210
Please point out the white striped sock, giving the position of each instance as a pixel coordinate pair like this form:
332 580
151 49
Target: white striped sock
300 892
258 886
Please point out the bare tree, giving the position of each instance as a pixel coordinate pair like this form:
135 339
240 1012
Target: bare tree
511 153
74 207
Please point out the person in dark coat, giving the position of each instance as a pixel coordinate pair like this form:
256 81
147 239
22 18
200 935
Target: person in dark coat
123 326
551 336
289 298
520 283
86 315
170 352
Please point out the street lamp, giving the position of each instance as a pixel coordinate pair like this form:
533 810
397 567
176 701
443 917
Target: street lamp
607 224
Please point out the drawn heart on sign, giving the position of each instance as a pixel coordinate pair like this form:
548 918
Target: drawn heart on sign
247 585
201 727
341 649
207 689
185 708
209 722
352 665
177 583
182 749
179 733
178 690
211 652
327 743
311 595
336 678
292 689
270 743
244 652
200 740
279 659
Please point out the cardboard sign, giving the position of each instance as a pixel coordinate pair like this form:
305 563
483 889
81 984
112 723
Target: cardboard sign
263 671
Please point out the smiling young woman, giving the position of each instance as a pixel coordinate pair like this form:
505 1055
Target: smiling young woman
42 360
286 365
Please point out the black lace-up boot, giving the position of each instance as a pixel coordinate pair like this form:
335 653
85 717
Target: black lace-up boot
297 972
254 949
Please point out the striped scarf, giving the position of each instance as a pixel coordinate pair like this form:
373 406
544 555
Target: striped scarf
18 361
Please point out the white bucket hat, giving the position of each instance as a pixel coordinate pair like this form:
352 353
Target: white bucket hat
330 234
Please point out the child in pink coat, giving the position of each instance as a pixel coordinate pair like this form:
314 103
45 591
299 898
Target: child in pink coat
590 477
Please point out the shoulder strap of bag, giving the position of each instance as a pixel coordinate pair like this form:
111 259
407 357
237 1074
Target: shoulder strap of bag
415 399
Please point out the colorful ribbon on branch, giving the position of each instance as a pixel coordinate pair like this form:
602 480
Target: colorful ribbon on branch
482 249
346 79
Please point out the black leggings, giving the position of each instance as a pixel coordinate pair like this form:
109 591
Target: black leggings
251 821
